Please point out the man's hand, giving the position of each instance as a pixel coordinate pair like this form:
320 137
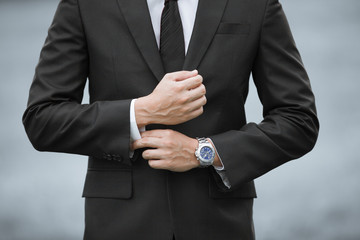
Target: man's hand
171 150
178 98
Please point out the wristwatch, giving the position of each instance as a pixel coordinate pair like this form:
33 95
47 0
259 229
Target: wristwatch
205 153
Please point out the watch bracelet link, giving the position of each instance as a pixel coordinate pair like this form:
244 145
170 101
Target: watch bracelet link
202 140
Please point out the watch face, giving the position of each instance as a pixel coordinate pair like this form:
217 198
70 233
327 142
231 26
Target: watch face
207 154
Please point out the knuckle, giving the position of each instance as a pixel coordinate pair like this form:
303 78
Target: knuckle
152 164
168 132
183 73
183 99
146 155
166 77
144 142
203 89
170 76
184 109
165 133
204 100
167 142
196 80
201 110
168 153
196 114
178 87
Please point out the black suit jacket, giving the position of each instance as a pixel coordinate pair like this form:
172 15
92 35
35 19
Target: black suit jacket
111 42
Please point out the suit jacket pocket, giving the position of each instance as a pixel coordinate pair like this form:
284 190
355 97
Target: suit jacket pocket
108 184
233 28
245 191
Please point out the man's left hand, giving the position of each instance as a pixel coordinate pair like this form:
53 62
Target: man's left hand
170 150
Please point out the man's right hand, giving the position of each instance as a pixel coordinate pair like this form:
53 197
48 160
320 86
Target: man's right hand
178 98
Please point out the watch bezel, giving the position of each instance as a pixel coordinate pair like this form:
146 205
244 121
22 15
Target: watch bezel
213 153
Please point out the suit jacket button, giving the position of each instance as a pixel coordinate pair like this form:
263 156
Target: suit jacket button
107 156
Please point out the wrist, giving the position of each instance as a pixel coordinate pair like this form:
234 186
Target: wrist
142 111
217 162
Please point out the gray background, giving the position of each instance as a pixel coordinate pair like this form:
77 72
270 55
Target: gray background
316 197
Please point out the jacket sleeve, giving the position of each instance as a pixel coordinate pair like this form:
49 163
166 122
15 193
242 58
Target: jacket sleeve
290 125
55 120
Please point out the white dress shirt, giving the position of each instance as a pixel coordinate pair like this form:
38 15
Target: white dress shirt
187 10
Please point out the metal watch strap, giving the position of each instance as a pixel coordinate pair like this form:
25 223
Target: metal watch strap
202 140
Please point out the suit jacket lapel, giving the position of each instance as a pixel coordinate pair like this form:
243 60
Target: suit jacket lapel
137 16
207 20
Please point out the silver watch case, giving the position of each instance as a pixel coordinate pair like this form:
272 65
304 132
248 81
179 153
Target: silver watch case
203 144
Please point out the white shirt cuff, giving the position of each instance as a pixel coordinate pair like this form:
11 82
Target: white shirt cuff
134 130
221 170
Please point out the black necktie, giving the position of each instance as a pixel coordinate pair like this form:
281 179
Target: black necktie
172 46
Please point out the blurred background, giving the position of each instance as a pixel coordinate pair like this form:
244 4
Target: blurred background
314 198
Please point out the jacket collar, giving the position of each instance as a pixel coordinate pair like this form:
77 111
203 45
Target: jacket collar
137 16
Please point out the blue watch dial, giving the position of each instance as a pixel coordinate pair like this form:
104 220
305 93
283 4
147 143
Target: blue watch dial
207 153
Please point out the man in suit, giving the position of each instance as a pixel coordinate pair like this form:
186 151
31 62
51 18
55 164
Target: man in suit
145 96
